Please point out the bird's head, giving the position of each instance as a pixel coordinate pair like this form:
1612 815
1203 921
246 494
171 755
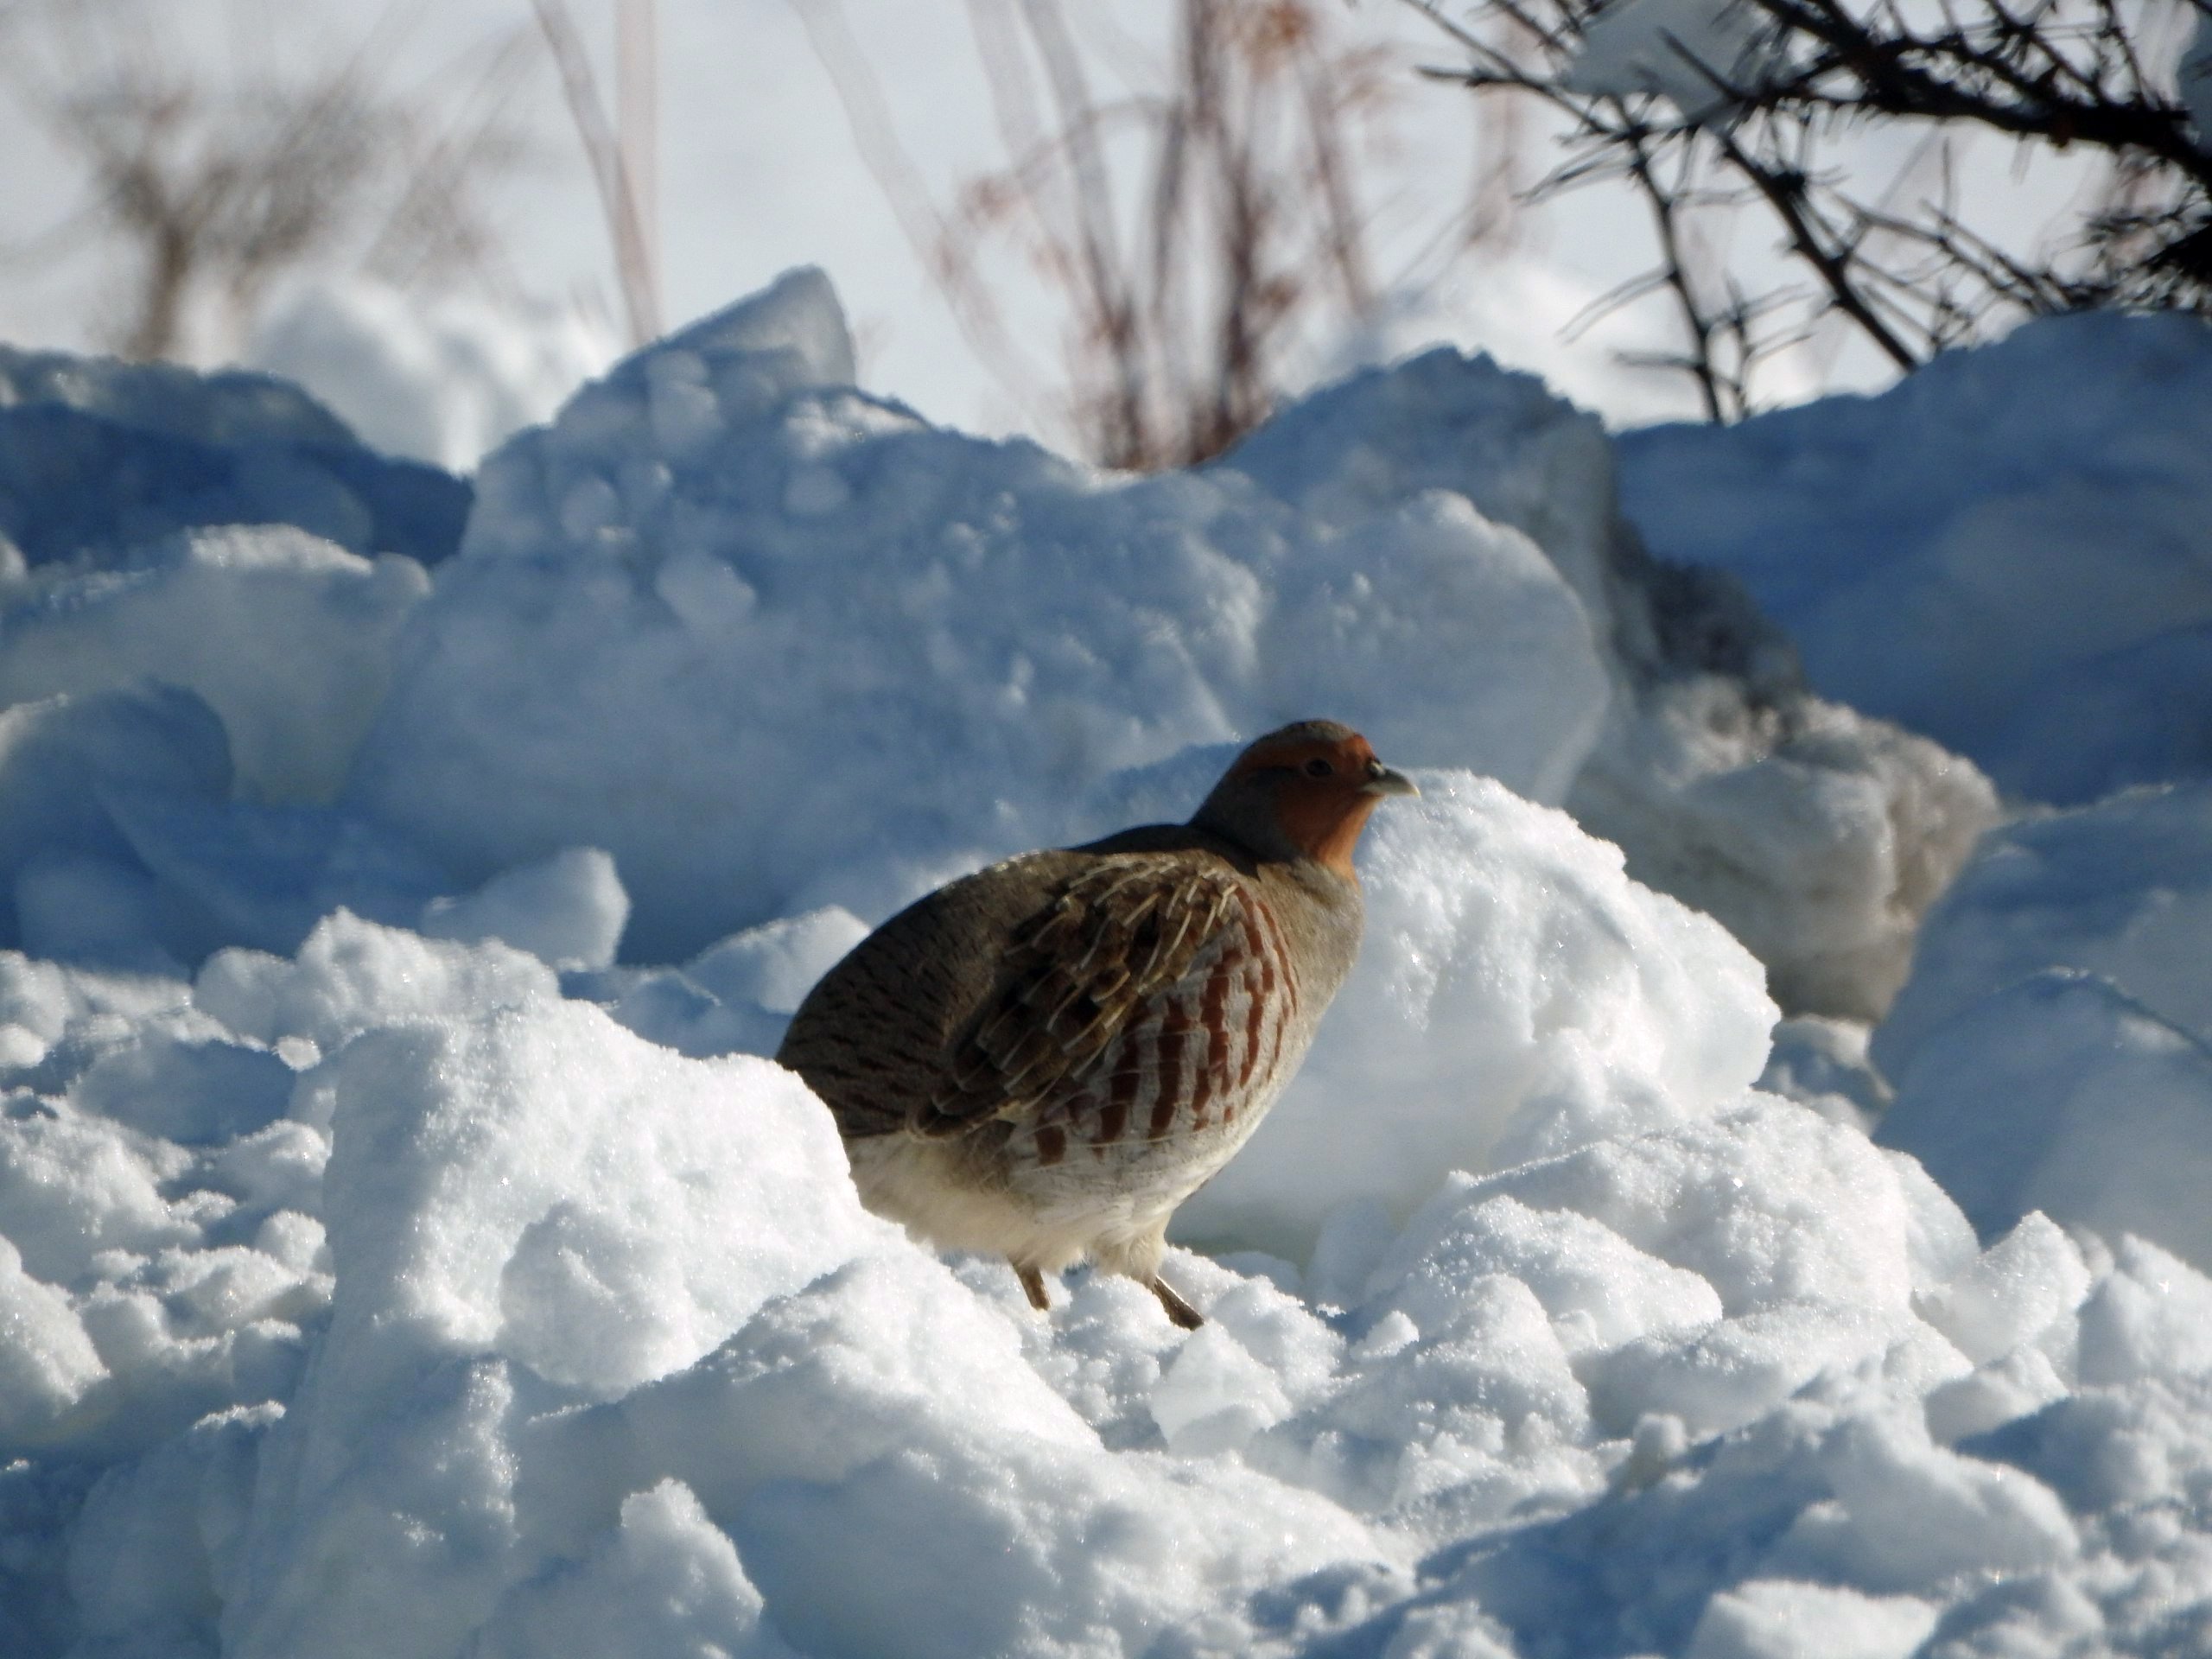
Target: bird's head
1303 791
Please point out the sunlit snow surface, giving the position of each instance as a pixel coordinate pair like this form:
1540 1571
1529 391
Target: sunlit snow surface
2007 551
399 1258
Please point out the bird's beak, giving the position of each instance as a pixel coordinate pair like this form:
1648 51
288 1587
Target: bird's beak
1381 780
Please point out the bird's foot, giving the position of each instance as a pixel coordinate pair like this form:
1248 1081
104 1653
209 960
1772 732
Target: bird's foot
1033 1286
1179 1311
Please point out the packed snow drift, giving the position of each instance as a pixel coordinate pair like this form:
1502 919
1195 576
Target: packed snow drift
2007 551
405 1250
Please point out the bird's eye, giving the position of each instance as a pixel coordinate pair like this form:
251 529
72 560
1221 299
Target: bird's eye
1317 767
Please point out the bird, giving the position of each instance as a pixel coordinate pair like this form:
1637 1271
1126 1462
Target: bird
1043 1059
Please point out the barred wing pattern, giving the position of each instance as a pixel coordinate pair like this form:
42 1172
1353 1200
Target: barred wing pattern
1151 1000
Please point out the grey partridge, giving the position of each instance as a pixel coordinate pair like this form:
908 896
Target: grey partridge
1043 1059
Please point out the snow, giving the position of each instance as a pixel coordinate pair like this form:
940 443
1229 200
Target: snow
1819 837
2050 1052
287 638
2052 538
2061 1093
1517 991
404 1249
442 380
1026 619
2122 889
1688 51
98 458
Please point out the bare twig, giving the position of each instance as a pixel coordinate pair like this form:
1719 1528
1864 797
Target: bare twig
1901 268
618 195
1197 224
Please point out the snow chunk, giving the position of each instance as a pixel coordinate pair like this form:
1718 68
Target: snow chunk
288 637
524 1203
351 975
42 998
1443 422
2117 1448
775 965
2122 889
1213 1396
793 329
845 1420
2023 1282
665 1585
98 457
2054 546
567 910
2150 1316
72 1185
1767 1204
1907 1512
694 1210
1816 836
2063 1095
47 1362
1783 1618
1599 1291
1516 994
59 760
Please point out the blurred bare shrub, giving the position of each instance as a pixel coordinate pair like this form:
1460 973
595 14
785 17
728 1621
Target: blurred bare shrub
1201 222
1710 109
213 182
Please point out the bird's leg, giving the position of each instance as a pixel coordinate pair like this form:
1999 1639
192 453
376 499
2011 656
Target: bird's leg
1179 1311
1033 1286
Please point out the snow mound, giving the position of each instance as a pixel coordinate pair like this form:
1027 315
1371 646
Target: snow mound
2122 889
2053 545
1517 995
493 1328
287 637
2049 1052
2061 1093
1818 836
719 564
415 1279
100 457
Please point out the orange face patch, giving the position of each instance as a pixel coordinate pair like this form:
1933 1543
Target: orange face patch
1324 802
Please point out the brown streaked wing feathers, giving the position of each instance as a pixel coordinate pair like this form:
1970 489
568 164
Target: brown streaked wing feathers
873 1038
1111 939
